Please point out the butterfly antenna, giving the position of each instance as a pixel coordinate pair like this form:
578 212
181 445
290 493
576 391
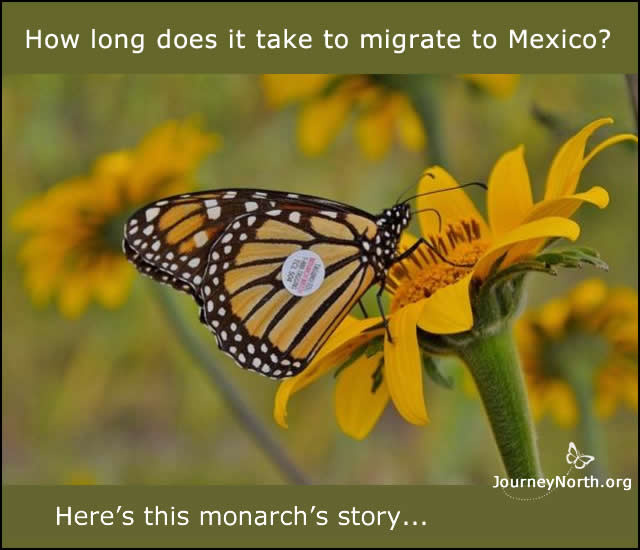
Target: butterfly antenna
478 183
435 211
409 187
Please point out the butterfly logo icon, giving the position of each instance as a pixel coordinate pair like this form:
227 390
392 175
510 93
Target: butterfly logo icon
576 458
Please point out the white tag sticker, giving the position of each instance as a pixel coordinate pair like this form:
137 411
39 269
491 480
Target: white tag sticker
303 273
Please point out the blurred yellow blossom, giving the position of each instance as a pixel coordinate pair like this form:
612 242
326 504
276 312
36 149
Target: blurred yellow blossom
593 328
383 112
327 101
73 249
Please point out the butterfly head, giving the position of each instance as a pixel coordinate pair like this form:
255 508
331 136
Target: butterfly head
391 223
395 219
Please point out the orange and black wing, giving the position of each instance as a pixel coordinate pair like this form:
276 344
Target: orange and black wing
227 249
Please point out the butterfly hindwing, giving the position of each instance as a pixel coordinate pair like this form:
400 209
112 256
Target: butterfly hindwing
256 318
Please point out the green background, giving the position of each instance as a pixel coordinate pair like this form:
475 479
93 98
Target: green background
114 398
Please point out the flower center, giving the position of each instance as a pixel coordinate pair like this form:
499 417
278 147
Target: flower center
426 271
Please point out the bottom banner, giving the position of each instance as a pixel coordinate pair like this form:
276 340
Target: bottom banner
297 516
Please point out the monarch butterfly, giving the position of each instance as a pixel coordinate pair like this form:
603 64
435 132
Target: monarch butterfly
274 273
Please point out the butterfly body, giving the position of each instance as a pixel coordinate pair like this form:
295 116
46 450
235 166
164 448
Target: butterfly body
274 273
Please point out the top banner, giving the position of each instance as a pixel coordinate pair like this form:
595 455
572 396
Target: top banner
320 37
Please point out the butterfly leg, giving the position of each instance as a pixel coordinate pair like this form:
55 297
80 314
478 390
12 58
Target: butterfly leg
415 246
385 321
362 308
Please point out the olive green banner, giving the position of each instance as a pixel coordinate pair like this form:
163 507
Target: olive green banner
320 37
298 516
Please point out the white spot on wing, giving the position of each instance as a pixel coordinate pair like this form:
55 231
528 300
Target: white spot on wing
200 238
294 217
151 213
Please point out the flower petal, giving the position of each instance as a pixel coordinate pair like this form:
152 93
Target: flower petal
553 317
453 205
566 206
570 160
448 310
403 365
561 403
321 119
524 240
374 129
587 296
280 89
509 197
410 127
357 406
348 337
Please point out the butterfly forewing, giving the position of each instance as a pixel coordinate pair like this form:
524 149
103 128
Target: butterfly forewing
228 248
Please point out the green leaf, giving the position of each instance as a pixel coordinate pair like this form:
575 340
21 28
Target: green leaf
573 258
352 359
375 346
370 349
432 369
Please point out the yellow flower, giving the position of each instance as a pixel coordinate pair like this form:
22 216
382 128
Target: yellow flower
382 112
75 228
433 295
328 101
594 328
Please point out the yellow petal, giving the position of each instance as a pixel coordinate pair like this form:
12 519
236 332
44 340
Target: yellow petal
618 138
410 127
562 405
525 240
453 206
348 337
403 365
321 120
113 286
509 197
280 89
357 406
553 317
374 130
566 206
499 85
570 160
587 296
448 310
74 295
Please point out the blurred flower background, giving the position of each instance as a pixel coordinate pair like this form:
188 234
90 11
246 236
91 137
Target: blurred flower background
110 395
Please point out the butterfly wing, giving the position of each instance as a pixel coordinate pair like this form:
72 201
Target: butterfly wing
583 460
227 248
572 454
169 240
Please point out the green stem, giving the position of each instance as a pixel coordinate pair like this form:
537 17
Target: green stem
236 403
493 361
632 84
591 442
